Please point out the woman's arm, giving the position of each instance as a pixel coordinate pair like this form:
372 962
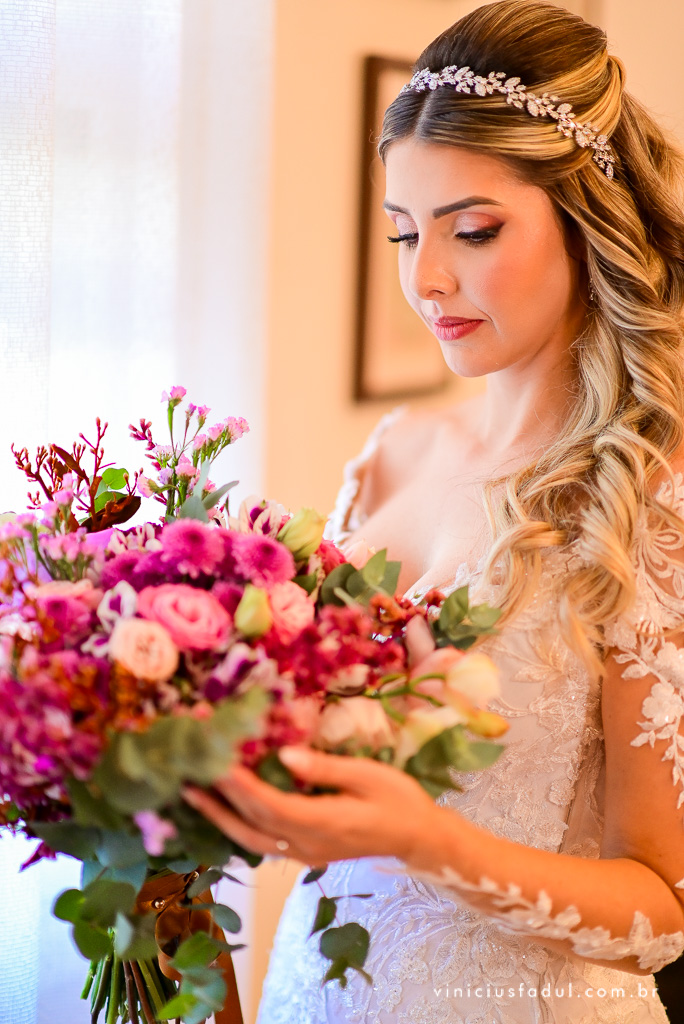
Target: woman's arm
623 910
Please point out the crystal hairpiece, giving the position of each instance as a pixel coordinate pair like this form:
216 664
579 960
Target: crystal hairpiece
546 105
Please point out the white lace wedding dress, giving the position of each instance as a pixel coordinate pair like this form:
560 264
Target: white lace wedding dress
434 959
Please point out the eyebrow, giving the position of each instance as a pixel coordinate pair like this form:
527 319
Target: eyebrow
442 211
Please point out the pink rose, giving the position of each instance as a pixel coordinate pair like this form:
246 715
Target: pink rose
352 723
82 590
144 649
291 608
194 618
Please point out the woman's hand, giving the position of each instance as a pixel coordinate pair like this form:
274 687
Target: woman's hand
378 811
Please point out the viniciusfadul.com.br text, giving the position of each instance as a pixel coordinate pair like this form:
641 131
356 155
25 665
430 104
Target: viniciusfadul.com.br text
547 991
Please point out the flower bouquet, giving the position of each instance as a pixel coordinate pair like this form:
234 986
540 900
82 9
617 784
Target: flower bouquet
134 661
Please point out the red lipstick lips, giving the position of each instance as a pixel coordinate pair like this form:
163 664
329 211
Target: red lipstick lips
451 328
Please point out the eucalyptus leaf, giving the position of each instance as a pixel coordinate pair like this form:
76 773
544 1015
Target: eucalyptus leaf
182 1005
373 571
93 942
197 951
325 913
272 770
307 583
314 875
67 837
224 916
103 899
92 809
336 580
212 499
192 508
134 937
68 905
348 943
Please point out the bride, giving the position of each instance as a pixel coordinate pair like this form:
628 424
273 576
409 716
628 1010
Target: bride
537 216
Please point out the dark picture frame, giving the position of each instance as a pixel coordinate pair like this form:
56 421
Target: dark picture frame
396 356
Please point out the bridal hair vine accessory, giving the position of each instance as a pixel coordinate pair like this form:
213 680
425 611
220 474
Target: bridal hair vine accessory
465 80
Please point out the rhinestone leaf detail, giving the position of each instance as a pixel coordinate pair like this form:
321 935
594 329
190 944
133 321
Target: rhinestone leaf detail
465 80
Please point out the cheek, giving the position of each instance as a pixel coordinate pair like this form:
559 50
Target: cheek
529 281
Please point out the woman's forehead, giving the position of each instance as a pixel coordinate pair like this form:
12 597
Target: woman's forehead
427 174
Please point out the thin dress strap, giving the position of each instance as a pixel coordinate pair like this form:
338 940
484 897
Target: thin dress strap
346 516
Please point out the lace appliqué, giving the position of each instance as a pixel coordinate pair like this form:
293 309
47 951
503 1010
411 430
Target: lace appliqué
640 638
518 914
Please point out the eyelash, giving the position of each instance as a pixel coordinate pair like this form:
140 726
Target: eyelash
469 237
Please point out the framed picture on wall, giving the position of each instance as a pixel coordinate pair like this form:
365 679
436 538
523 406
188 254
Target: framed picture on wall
396 355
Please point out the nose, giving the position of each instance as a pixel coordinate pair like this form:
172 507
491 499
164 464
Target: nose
430 275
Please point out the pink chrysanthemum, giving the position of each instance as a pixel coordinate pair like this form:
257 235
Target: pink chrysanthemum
192 547
262 560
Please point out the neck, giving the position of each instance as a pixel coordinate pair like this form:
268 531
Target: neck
523 412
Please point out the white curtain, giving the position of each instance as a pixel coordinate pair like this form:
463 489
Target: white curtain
134 183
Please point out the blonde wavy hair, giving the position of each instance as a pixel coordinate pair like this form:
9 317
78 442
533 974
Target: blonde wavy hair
592 484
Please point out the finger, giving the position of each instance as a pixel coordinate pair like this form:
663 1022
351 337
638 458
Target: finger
230 823
345 773
261 803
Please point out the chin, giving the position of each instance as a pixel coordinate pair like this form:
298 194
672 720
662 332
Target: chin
466 364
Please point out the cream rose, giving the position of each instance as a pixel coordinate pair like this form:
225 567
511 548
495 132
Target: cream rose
144 649
352 723
421 726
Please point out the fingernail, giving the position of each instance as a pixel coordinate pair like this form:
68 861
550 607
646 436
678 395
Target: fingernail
294 757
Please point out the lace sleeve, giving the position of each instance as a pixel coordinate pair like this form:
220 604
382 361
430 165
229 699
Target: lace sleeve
628 905
649 642
347 516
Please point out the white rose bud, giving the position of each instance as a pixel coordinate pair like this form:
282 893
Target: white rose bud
352 723
422 725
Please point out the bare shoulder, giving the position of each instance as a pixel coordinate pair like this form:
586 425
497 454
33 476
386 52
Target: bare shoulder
405 447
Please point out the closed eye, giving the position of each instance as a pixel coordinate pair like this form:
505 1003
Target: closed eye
469 237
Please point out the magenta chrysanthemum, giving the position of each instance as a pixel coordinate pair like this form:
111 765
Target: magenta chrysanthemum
262 560
192 547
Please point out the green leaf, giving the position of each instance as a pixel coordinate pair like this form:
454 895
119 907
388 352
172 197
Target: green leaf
224 916
104 899
113 479
93 942
102 499
325 913
198 951
208 878
449 751
349 942
373 571
314 875
134 936
121 850
483 616
192 508
67 906
336 580
92 809
181 1006
272 770
67 837
307 583
390 581
213 498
